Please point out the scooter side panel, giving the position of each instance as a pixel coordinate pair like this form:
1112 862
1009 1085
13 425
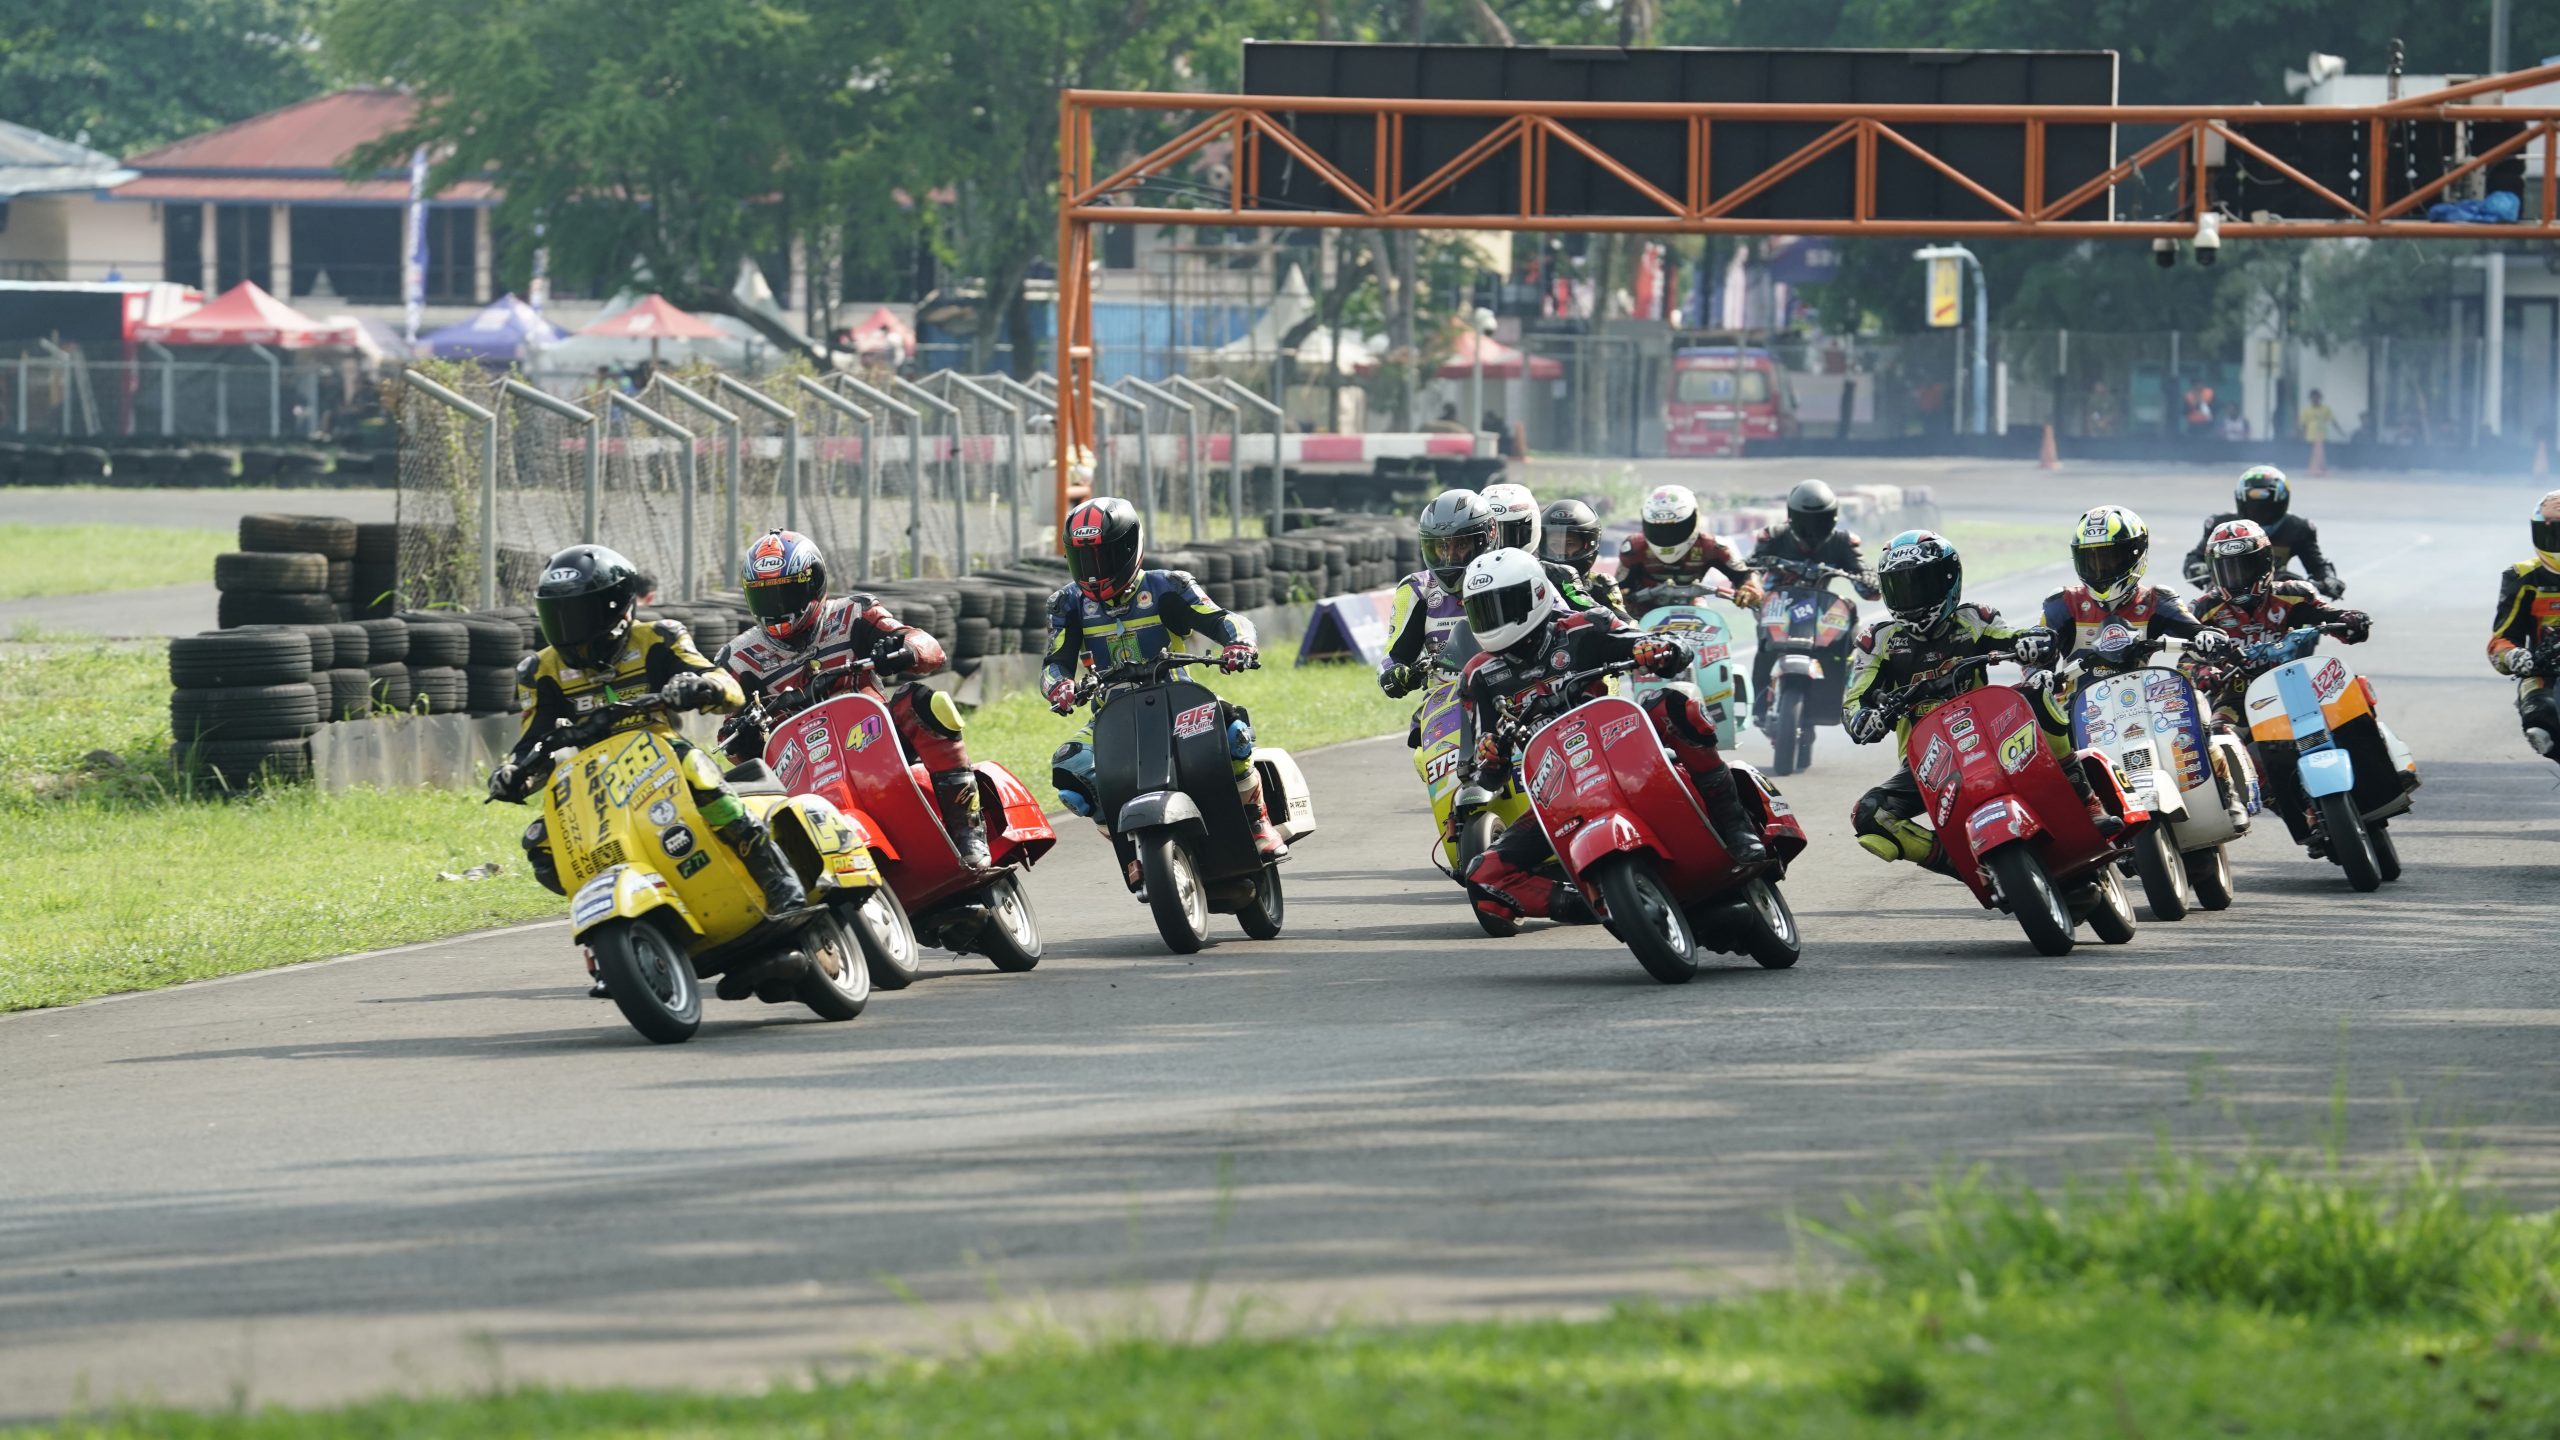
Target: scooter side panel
846 750
1605 753
625 892
1021 832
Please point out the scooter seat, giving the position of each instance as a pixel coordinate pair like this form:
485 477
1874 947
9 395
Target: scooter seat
755 778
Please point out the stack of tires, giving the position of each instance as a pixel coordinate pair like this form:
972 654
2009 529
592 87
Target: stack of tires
387 662
1022 623
289 570
438 661
244 705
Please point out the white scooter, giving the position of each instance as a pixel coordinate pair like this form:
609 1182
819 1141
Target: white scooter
2156 729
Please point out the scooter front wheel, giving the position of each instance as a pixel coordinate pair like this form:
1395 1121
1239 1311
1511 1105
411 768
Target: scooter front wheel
1174 892
2209 871
888 940
2386 851
1012 936
2039 907
651 981
2164 879
838 985
2350 844
1771 936
1645 915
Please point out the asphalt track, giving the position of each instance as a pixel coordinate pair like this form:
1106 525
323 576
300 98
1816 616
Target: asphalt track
444 1167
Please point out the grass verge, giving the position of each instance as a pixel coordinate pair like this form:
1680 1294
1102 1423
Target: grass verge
123 879
2190 1299
82 559
1996 548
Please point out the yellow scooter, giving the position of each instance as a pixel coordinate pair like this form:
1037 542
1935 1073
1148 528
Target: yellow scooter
658 902
1470 818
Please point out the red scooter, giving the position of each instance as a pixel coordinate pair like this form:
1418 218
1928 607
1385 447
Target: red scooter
846 749
2008 820
1633 836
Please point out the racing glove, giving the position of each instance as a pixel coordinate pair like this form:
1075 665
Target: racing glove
890 654
1398 681
1869 725
2036 648
2213 647
1488 756
1662 657
1235 657
2197 570
2518 661
1062 697
507 782
1748 594
2354 626
690 691
2330 585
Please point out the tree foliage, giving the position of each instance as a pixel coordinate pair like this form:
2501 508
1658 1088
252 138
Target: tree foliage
135 74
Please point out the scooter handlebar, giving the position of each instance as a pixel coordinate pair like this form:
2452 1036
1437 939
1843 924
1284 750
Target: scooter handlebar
1136 672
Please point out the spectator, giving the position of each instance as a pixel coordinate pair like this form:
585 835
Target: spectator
1447 423
2317 422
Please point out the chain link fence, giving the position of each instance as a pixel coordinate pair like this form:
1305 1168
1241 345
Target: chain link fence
64 396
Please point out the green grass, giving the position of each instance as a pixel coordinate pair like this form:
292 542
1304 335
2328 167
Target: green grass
80 559
1996 548
2322 1306
124 879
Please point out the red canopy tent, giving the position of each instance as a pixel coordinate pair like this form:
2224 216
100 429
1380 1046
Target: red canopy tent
882 332
1501 362
654 319
247 315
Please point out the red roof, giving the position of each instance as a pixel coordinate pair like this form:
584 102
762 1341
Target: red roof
654 319
247 315
292 155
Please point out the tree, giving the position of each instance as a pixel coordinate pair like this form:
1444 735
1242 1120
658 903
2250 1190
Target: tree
129 75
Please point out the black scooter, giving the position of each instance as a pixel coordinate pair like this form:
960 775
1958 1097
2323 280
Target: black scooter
1164 774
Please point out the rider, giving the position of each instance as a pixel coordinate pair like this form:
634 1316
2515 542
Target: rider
2526 643
805 647
1114 612
2263 498
1528 638
1811 537
2246 601
1569 535
1518 526
2110 548
594 653
1457 526
1673 548
1931 626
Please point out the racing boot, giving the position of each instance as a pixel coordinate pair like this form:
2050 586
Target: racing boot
956 793
2109 825
1506 892
753 845
1266 836
1732 823
2542 742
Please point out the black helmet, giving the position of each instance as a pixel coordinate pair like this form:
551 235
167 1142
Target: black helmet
1104 544
1922 578
1813 512
1569 534
584 603
2262 495
1457 526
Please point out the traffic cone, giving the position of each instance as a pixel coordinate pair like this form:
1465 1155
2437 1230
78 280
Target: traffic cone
2319 457
2046 457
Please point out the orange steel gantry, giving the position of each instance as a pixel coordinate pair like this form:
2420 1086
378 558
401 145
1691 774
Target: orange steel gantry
1258 130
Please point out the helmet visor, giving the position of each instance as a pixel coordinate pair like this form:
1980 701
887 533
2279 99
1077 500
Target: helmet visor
1813 526
1516 534
1670 534
2546 535
2263 503
1920 590
2103 567
1574 545
1501 608
586 628
1447 555
2244 570
782 598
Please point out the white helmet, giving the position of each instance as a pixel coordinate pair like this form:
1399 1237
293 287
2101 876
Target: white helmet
1508 596
1670 522
1515 516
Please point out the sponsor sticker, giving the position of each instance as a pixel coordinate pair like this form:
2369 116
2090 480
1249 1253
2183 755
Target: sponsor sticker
1549 779
2018 748
676 840
692 864
1198 720
1615 729
1934 764
1960 721
663 812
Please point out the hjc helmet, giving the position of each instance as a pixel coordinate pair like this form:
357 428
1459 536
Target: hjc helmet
1508 598
1104 544
1813 512
1515 516
1670 522
785 578
2109 546
1922 577
1569 534
2262 495
2546 530
1457 526
2242 559
584 603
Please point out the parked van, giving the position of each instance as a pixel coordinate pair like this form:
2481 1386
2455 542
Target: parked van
1723 396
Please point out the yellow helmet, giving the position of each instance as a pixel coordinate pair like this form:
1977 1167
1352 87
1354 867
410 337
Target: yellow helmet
2109 547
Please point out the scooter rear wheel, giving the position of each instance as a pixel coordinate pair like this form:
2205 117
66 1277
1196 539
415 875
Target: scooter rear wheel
1262 915
1645 915
1174 892
2037 906
651 981
1771 936
1482 833
2111 918
2209 871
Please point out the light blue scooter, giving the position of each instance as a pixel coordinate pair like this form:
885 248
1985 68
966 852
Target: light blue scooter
2356 772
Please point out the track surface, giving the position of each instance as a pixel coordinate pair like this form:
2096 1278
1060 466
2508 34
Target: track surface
443 1166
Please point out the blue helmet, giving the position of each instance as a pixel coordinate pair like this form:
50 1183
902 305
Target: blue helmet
1922 577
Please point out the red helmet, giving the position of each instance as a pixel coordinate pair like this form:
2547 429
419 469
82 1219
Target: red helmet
1105 544
2242 559
786 584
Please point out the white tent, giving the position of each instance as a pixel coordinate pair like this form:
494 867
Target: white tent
582 353
1262 339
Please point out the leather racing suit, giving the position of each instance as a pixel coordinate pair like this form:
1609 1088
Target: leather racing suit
2529 619
1778 545
2287 605
2291 538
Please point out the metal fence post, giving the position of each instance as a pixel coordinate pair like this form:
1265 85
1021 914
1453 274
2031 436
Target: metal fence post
1191 443
747 394
594 424
732 555
275 390
1279 420
915 464
488 477
168 387
615 399
1013 414
1235 447
1146 450
870 459
222 401
952 471
22 392
1035 400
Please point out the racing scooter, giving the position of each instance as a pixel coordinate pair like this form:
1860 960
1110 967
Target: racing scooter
1682 614
2355 771
2008 820
1470 818
1805 624
658 902
1632 835
2197 782
846 749
1164 750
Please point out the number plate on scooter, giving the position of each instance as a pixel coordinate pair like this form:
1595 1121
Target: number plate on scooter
1198 720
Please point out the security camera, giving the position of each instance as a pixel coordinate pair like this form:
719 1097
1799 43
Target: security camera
2208 238
1219 177
2164 253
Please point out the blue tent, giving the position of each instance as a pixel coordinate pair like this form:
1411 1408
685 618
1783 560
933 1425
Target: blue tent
508 329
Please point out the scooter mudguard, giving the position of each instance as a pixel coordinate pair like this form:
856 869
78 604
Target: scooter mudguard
842 849
1021 832
1596 842
1995 823
1157 809
2326 772
625 892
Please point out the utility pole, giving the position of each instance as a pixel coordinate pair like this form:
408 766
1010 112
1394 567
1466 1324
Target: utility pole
2493 299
